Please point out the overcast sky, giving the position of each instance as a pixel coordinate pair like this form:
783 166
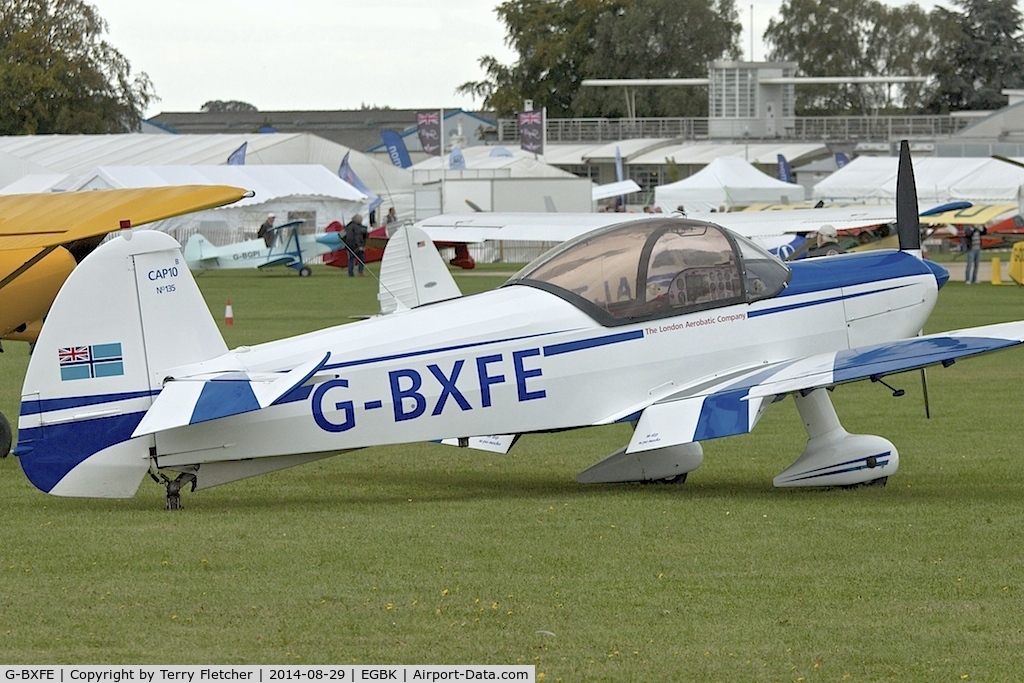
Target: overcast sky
327 54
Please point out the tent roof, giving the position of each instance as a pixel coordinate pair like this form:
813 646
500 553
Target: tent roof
730 181
520 165
627 148
266 182
569 155
79 154
938 179
698 153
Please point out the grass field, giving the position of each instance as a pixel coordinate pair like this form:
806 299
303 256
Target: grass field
427 554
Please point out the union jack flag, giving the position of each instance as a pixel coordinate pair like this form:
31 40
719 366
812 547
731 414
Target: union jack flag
535 118
73 354
428 118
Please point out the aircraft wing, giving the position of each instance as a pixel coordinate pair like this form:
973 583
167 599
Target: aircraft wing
559 227
518 227
279 261
978 214
733 404
35 221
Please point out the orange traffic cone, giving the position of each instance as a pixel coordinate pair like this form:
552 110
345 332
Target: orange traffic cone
229 315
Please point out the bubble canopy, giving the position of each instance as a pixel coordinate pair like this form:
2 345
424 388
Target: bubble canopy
656 268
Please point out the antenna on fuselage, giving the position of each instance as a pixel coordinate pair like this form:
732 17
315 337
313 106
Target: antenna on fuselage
908 220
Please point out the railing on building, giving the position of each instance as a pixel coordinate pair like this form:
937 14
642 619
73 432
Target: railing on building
853 128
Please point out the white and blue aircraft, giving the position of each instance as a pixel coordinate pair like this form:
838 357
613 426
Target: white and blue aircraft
287 248
700 329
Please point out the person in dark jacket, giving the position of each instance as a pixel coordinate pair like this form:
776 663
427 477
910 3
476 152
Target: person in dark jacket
355 242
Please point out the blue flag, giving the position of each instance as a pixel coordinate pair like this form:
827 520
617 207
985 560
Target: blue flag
456 161
785 174
395 146
237 158
841 160
346 173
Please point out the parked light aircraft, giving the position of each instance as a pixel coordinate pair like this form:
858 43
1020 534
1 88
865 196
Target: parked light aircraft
43 235
678 326
289 248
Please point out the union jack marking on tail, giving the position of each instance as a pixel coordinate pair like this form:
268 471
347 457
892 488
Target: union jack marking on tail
88 362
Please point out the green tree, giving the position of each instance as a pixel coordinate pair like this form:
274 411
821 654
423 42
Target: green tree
58 75
553 38
986 46
659 39
227 106
854 38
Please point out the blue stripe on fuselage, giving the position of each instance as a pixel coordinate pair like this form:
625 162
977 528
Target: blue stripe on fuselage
841 272
850 270
37 407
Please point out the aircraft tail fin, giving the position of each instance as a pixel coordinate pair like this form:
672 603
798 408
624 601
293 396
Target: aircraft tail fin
412 273
199 249
128 312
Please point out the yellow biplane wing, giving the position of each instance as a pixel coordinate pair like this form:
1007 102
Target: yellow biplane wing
978 214
33 266
37 221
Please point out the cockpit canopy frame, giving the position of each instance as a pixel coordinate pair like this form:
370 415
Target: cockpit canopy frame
649 269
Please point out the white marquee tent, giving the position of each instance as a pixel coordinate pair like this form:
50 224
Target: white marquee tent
872 180
728 182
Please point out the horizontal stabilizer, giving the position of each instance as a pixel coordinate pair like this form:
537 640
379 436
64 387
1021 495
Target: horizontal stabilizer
201 398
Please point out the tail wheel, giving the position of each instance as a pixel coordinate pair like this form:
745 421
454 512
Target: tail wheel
6 437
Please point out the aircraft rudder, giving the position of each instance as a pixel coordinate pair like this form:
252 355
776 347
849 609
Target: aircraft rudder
130 311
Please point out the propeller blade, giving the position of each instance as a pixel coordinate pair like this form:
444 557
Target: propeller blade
908 225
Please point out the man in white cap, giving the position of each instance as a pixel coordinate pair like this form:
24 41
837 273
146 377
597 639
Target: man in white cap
827 242
266 231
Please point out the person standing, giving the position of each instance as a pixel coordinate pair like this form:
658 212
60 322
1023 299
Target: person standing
355 242
972 244
266 231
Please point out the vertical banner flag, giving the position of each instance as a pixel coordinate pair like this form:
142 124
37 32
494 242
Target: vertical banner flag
841 160
428 126
785 173
237 158
395 146
531 131
346 173
619 175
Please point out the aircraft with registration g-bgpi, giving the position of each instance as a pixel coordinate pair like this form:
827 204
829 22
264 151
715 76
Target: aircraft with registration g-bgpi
679 327
288 247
